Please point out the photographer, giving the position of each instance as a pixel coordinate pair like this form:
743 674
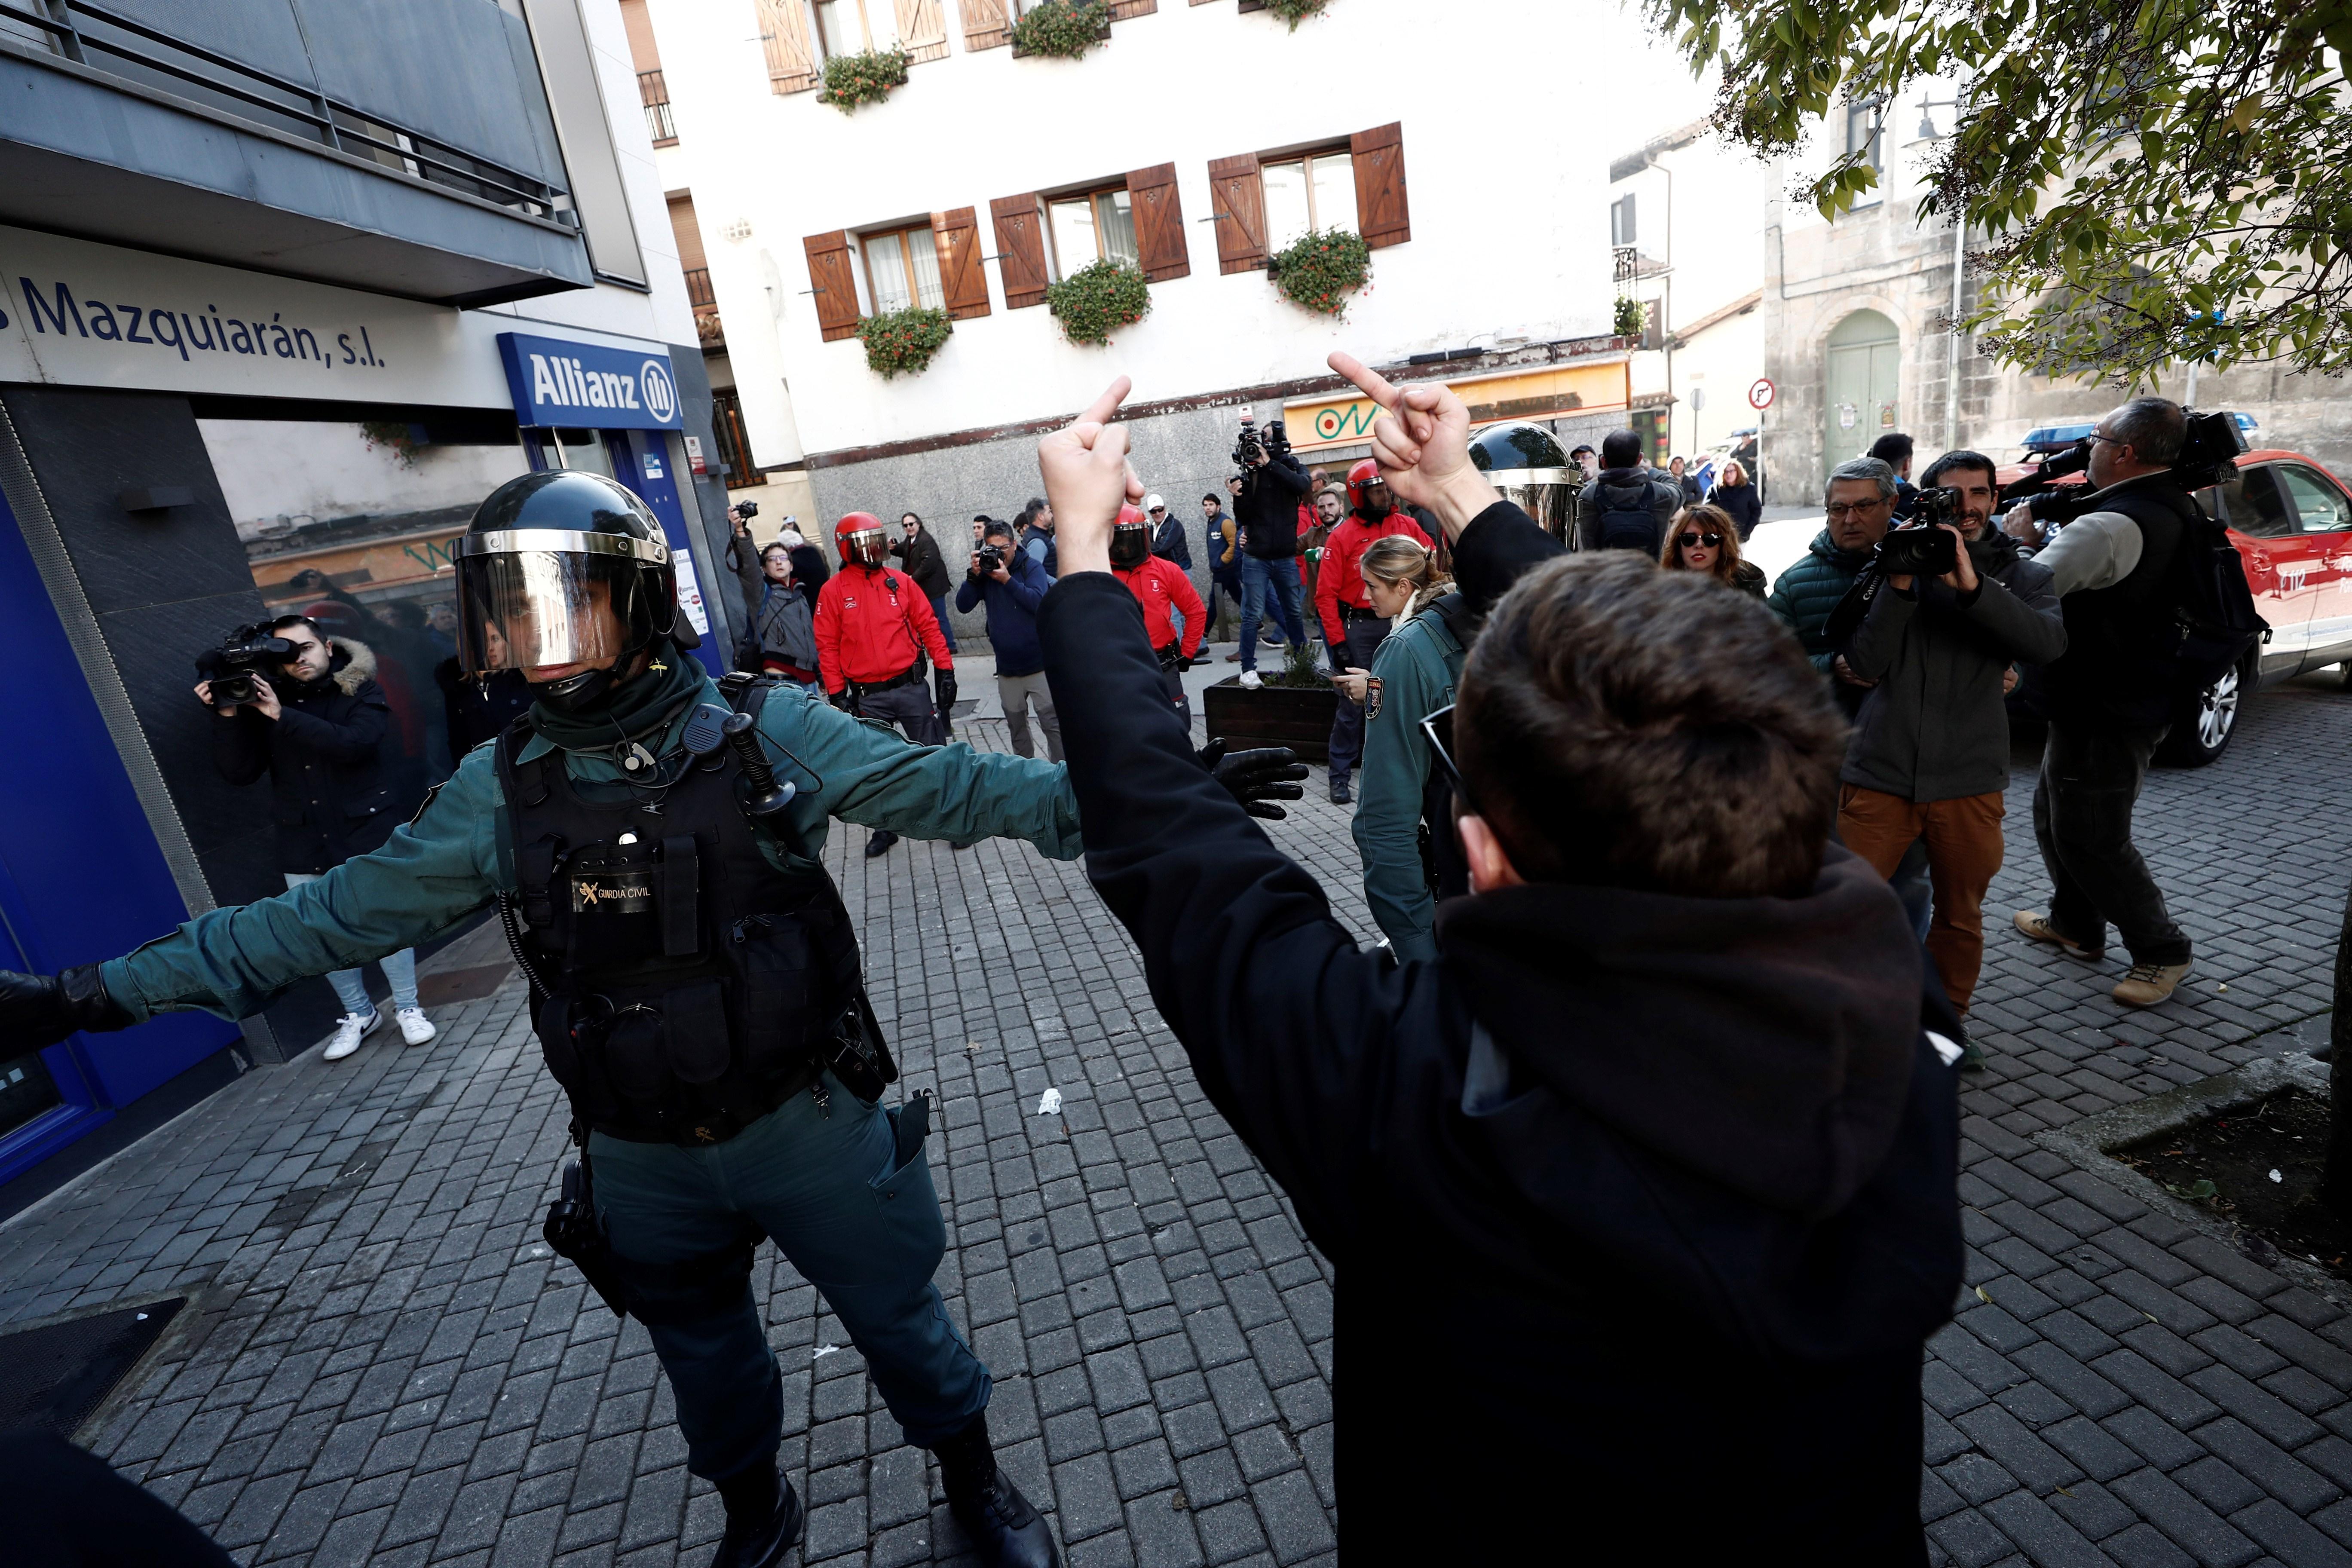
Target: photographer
1010 584
1659 1162
1266 508
2117 571
1929 757
783 622
316 726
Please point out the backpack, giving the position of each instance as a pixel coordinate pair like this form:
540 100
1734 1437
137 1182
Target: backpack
1628 526
2215 622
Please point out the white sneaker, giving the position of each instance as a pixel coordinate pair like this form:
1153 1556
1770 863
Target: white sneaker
1250 682
350 1031
415 1026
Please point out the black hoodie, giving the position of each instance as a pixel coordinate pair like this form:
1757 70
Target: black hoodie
1640 1207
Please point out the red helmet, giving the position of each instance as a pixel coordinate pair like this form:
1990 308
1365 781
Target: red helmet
861 539
1365 472
1131 538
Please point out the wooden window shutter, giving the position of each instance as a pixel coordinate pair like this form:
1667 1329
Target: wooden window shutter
1238 200
922 29
784 36
1159 222
1381 215
833 275
1020 249
985 24
1122 10
1253 5
962 276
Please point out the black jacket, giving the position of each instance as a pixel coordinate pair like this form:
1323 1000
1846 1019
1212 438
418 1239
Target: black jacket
810 571
1267 508
1627 490
1741 504
478 710
920 555
2107 678
1684 1207
321 756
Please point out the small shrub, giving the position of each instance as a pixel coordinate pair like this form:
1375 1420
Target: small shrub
853 79
1300 668
1066 28
1629 318
1296 11
400 439
1095 301
901 342
1321 268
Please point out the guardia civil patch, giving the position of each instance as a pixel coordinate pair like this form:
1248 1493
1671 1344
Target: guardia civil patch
1373 698
621 892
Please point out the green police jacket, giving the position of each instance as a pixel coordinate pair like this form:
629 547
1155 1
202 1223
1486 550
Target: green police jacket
454 858
1418 665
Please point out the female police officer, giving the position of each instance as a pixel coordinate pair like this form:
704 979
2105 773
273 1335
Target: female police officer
690 962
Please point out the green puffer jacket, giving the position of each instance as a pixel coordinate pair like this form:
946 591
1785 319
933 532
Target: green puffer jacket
1418 666
1806 593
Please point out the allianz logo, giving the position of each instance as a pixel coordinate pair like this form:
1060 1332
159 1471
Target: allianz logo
566 383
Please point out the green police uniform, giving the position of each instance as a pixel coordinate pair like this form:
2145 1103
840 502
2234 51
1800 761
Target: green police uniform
1418 666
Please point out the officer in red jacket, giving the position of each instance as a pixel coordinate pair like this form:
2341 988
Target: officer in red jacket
873 627
1158 585
1349 625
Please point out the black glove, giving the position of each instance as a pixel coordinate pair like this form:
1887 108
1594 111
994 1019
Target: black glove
42 1009
844 702
943 690
1256 778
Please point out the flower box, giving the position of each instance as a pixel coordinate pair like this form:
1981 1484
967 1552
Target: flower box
1298 717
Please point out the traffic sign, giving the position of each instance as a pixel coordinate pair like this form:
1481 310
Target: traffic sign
1760 396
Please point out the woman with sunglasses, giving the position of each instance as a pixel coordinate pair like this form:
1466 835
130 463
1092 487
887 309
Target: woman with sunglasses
1703 539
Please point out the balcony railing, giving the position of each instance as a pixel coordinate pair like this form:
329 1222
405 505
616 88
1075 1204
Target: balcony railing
705 302
698 286
117 46
654 93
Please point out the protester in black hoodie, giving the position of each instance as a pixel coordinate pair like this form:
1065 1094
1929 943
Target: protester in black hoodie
1643 1196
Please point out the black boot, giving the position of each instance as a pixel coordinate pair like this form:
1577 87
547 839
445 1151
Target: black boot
1004 1530
879 845
763 1518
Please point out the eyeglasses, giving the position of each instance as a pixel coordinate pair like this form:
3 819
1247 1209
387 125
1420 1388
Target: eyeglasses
1836 513
1692 540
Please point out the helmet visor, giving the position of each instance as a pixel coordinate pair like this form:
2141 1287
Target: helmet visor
529 610
866 547
1130 544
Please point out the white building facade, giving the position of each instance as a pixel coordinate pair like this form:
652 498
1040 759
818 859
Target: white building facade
1193 143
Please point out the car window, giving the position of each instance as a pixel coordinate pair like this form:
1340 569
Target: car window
2251 504
2320 505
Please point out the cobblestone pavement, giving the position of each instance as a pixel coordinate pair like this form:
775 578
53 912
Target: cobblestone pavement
381 1364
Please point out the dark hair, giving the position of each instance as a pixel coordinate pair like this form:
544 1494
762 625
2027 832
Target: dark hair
1892 447
982 517
2155 428
905 515
1586 446
1213 496
405 613
1620 449
282 622
1036 504
1960 459
992 529
1621 726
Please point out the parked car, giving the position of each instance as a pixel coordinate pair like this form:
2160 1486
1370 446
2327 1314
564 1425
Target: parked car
2290 521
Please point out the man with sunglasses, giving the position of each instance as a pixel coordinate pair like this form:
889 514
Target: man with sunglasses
1655 1170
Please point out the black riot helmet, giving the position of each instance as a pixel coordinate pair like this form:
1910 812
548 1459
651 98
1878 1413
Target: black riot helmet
1130 538
564 568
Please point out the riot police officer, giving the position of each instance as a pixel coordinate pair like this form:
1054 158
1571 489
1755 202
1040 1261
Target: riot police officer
694 981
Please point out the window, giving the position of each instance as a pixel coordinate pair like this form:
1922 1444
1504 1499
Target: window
1317 192
855 26
654 94
2251 505
1096 226
2320 504
1620 220
1865 131
902 269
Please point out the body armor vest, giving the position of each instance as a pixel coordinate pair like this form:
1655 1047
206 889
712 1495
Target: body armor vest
689 984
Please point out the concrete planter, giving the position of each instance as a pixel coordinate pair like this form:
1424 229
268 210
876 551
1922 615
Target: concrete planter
1294 715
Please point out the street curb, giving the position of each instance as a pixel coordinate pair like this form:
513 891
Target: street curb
2087 1144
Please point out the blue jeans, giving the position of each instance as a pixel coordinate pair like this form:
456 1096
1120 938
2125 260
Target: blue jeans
821 1184
1260 577
350 985
940 613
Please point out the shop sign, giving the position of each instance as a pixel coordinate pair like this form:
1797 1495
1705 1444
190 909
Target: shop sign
587 386
1540 394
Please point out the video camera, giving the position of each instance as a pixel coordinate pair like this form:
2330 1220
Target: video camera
232 665
1252 446
2209 450
1920 550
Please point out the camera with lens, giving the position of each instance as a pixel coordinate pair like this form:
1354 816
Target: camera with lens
1921 550
1247 447
1938 504
989 559
232 665
744 510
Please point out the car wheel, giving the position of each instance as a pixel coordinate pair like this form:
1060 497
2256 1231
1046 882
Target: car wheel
2203 727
